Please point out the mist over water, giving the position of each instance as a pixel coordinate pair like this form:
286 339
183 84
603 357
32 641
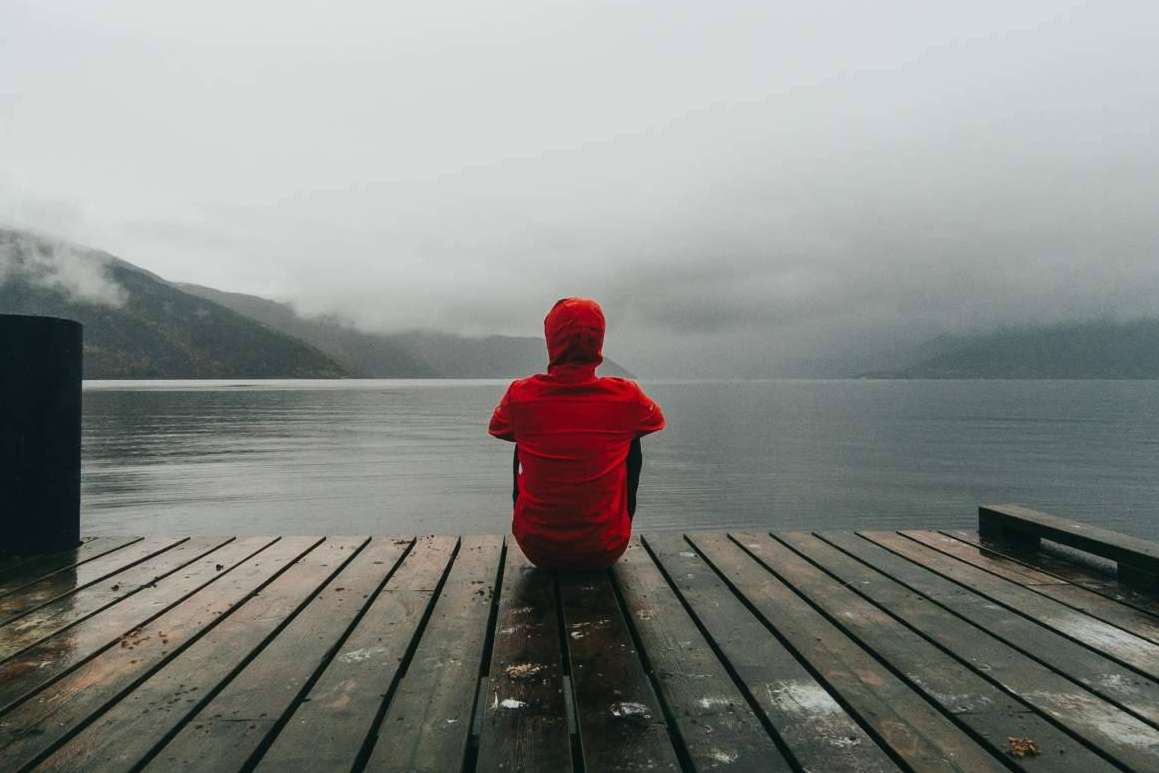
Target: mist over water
413 457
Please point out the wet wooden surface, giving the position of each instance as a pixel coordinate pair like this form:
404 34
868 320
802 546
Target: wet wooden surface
842 651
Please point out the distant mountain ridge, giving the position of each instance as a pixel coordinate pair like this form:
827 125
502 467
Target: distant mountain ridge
136 325
412 354
360 354
1095 349
139 325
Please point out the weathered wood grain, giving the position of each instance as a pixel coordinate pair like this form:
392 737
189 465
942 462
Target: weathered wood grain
1124 616
916 650
813 726
39 724
714 720
9 562
621 723
1044 669
35 568
428 722
67 582
42 663
233 725
990 713
328 730
123 734
917 732
1114 642
1073 572
524 723
57 615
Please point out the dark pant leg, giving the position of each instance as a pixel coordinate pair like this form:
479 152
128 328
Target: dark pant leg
635 466
515 476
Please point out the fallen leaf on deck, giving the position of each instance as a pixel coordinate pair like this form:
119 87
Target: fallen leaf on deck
1022 747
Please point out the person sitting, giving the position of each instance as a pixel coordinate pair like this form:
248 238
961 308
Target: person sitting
577 458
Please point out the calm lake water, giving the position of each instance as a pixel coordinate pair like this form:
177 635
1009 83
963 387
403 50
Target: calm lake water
395 457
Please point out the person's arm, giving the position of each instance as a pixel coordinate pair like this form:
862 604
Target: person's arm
651 417
501 426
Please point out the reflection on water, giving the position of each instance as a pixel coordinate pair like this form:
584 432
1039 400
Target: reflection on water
15 605
298 457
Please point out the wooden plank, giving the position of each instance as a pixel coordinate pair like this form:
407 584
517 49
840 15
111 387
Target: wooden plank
123 734
69 610
920 735
992 563
524 723
1128 618
330 728
42 722
43 566
66 582
812 725
1128 649
9 562
231 728
621 724
1102 676
1072 571
713 719
49 659
989 712
428 723
1106 727
1138 559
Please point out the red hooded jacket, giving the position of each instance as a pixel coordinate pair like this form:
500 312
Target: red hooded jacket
573 430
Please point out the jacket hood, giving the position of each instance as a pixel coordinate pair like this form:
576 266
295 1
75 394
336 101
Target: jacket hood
574 329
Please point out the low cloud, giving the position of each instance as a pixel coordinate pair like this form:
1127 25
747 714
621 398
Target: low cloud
748 188
81 275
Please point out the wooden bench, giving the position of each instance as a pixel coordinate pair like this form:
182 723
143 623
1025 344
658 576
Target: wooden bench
1024 529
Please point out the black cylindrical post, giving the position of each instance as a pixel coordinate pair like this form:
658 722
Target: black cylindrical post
40 412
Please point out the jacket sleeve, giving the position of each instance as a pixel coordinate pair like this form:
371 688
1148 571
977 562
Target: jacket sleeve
651 417
501 426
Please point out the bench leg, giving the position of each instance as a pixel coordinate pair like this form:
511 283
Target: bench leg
995 530
1138 579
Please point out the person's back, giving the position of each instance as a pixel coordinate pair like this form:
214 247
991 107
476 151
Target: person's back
573 433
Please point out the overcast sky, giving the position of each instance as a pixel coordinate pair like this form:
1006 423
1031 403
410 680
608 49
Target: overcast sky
743 185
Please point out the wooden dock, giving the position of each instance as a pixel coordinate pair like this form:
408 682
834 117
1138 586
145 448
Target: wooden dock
868 651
